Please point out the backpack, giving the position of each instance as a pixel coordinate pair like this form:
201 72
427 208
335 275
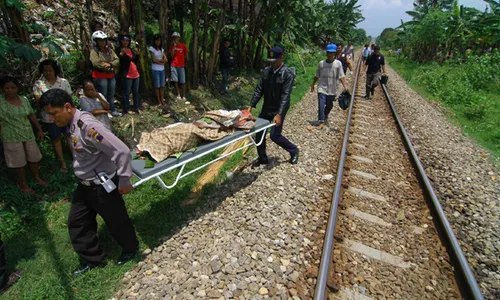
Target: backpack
344 100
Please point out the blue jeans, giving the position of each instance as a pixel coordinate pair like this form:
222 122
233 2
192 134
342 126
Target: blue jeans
325 105
106 87
130 84
225 78
158 79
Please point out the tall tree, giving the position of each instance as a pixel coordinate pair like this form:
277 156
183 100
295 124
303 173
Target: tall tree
194 51
140 36
216 39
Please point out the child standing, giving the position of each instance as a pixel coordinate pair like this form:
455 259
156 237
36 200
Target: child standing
17 134
95 103
159 59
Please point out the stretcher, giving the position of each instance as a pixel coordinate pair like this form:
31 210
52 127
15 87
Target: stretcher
172 163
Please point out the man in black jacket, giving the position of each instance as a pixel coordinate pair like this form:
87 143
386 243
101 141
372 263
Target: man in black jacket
226 63
276 83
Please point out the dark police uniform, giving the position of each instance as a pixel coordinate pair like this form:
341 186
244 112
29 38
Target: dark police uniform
96 149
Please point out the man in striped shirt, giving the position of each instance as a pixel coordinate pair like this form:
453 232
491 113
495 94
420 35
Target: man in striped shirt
328 74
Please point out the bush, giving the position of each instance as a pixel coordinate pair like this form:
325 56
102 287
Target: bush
476 107
71 68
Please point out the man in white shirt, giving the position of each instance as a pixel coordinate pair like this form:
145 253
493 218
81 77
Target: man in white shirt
329 72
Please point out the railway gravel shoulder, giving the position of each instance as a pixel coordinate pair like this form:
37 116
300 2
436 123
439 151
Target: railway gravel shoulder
464 180
258 235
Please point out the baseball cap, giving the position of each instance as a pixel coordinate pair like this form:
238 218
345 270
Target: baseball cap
176 34
376 48
124 35
275 53
331 48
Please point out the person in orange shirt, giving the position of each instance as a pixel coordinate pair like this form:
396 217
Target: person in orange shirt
178 51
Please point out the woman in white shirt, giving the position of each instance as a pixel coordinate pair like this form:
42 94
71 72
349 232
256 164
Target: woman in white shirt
159 60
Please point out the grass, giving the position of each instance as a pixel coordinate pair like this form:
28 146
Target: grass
35 232
485 128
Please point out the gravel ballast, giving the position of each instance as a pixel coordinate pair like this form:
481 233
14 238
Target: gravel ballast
464 179
254 239
260 234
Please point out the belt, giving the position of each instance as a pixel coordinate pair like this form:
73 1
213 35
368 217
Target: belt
94 181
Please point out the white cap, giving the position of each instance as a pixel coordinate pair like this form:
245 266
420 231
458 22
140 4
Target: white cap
176 34
99 35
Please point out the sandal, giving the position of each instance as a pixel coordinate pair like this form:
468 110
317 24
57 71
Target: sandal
42 182
13 278
26 190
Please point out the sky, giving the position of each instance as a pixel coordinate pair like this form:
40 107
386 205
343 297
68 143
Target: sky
380 14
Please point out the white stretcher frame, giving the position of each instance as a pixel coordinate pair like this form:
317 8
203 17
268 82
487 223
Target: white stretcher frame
183 163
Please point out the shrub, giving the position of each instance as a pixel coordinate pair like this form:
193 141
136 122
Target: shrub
476 107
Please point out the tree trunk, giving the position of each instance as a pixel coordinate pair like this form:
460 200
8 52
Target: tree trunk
206 26
142 50
124 14
194 51
18 29
164 8
215 44
240 34
258 54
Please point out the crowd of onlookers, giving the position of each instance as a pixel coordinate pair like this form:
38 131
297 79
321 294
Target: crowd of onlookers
109 64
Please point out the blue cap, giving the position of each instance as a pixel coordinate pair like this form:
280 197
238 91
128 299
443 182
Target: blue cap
275 53
331 48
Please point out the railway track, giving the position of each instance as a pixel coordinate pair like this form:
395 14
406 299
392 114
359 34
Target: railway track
387 236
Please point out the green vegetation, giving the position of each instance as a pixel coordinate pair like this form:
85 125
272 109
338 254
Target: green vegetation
470 90
35 231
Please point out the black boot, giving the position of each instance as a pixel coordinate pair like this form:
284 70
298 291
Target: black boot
294 159
125 257
260 161
4 278
84 268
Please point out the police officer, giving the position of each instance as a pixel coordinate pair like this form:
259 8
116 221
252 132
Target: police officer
97 155
276 83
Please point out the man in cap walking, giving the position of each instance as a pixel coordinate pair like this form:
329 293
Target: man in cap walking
276 84
329 72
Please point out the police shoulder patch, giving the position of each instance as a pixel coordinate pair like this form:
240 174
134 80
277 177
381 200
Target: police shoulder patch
93 133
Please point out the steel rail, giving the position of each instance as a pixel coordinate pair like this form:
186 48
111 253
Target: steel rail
463 274
324 267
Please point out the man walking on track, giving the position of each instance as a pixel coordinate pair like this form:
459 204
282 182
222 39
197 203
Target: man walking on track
349 50
329 72
276 83
373 65
101 162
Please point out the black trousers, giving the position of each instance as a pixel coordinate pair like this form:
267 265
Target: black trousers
88 201
4 277
276 136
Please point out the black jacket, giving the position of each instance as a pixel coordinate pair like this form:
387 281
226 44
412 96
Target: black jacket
225 55
125 63
276 87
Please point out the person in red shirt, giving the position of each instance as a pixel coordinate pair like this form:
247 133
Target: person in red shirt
178 51
129 74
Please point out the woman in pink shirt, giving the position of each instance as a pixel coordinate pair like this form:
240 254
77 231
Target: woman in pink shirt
129 74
